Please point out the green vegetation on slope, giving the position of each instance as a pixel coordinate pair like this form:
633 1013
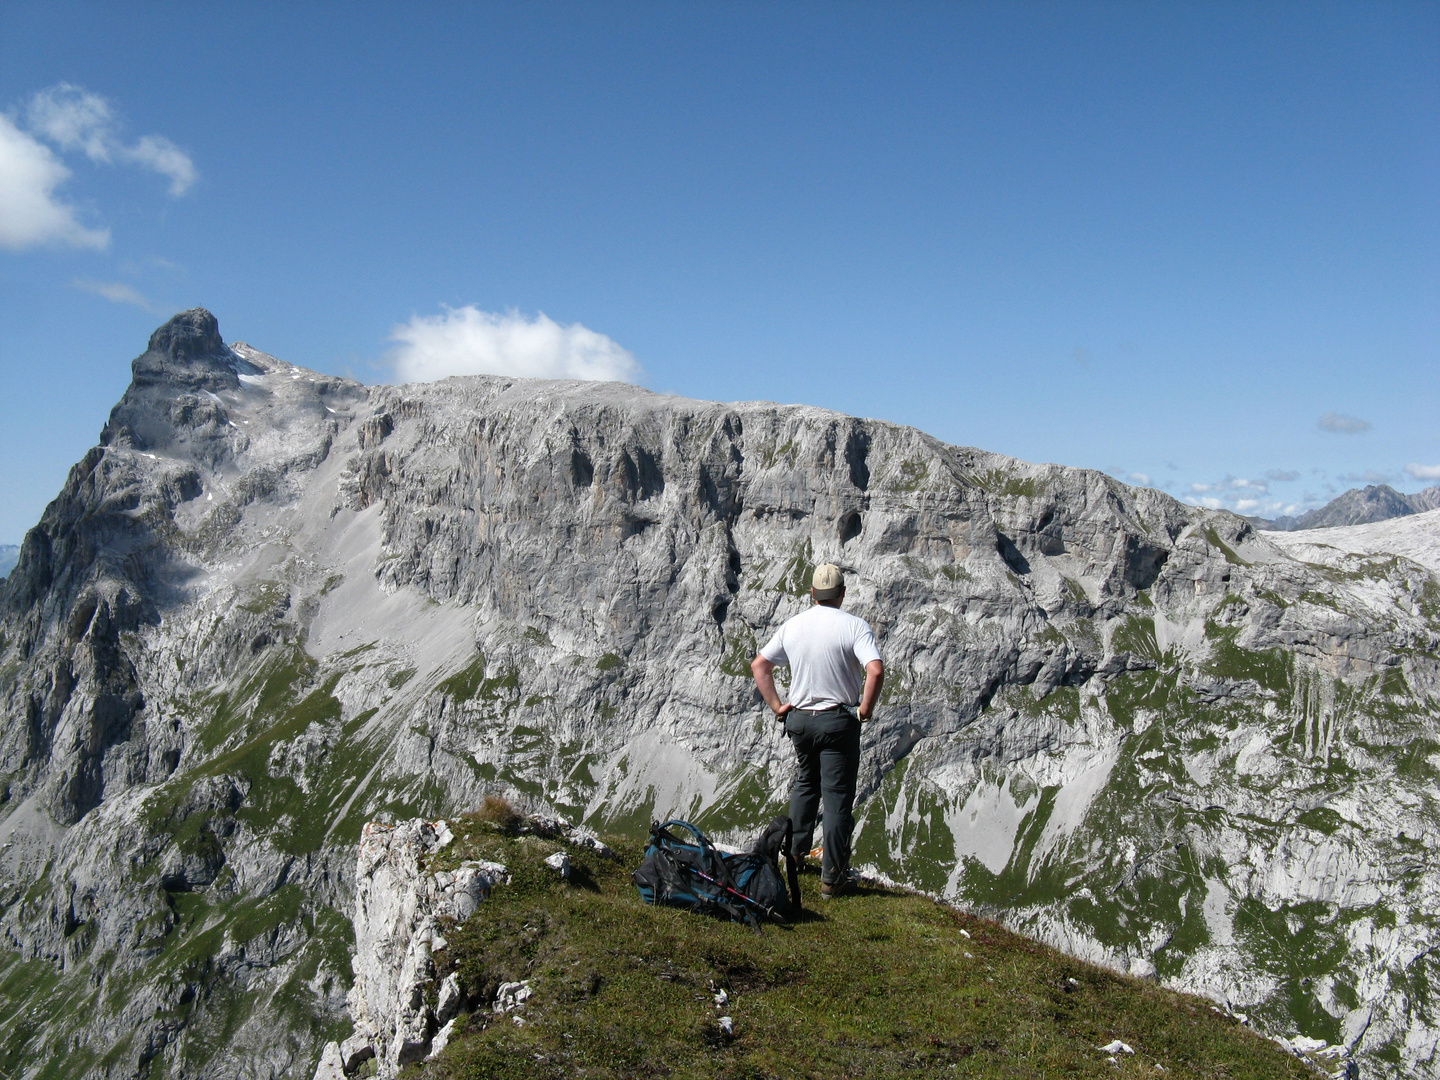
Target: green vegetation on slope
882 983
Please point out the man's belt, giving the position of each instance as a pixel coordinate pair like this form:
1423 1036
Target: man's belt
848 710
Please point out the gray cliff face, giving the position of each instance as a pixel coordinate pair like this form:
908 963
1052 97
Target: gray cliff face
272 606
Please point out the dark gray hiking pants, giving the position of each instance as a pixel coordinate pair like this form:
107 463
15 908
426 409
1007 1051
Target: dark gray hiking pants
827 746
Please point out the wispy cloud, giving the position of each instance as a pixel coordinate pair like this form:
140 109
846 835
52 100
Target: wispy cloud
1231 484
30 212
1423 472
159 154
1138 478
74 119
1369 476
468 341
1341 424
1269 508
116 292
1246 496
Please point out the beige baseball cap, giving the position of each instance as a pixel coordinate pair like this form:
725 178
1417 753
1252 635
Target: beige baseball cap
827 581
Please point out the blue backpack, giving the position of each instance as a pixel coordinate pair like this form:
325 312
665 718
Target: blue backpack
688 871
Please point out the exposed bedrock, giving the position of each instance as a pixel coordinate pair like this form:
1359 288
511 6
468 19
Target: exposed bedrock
272 606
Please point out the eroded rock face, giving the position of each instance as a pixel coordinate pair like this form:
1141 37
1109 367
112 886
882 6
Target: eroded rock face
273 605
397 917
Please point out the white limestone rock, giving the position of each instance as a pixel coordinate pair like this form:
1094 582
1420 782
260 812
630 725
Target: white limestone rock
512 995
1143 968
354 1052
449 1000
441 1039
397 905
331 1065
560 863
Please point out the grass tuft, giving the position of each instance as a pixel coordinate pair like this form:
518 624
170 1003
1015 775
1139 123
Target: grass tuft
498 811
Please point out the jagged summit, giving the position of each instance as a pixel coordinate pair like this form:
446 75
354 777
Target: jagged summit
187 352
189 335
1358 506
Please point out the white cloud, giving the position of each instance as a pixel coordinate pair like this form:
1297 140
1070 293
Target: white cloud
1369 476
74 119
159 154
1423 472
1139 478
1341 424
1245 496
468 341
1282 476
115 291
30 214
1232 484
1269 508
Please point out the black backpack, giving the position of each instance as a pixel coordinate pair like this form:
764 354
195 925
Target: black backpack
690 872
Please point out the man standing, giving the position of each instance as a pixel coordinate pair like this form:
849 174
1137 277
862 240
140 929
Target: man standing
835 679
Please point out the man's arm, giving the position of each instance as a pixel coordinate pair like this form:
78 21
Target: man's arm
764 672
874 680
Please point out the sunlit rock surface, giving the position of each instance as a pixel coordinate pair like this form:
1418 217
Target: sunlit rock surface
272 606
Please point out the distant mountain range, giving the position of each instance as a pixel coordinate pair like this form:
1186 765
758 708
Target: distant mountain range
8 554
1358 506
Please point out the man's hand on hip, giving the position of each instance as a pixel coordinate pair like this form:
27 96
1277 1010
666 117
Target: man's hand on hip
874 680
764 672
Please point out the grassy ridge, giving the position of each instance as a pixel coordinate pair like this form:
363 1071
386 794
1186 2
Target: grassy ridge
882 983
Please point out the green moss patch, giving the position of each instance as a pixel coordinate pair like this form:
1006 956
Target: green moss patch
795 578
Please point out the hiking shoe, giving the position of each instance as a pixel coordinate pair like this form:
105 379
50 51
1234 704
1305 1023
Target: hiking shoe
843 887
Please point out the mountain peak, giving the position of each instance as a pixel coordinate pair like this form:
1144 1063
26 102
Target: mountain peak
188 353
1358 506
189 335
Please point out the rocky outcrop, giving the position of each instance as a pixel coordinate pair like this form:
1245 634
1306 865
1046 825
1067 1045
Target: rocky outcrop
273 606
400 1010
398 913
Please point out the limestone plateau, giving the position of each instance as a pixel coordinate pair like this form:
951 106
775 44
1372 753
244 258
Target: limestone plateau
271 606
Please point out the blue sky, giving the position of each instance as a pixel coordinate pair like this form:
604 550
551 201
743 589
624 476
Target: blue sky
1193 244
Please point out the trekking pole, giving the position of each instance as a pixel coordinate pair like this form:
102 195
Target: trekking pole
769 912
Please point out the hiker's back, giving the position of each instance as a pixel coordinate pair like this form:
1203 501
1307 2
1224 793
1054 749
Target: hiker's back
827 650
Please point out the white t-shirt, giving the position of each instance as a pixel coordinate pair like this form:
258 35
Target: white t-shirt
827 650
